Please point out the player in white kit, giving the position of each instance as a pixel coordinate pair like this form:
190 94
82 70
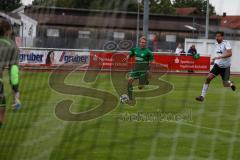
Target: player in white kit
222 64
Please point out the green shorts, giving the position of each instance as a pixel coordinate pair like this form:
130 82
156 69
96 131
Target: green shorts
140 71
141 75
2 97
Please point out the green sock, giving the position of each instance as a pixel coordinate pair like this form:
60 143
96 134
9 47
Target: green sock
130 90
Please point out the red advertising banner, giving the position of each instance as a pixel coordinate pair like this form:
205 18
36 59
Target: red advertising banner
173 62
108 60
118 61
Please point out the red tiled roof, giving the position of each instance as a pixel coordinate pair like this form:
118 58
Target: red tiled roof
187 11
232 22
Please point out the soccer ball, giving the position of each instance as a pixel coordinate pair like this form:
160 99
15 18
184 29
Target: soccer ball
124 98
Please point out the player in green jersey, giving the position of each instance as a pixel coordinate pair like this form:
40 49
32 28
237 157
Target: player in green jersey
143 57
8 58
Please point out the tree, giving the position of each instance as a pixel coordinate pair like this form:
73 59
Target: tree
161 6
156 6
86 4
201 5
9 5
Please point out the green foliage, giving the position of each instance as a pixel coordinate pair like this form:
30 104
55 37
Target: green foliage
156 6
9 5
161 6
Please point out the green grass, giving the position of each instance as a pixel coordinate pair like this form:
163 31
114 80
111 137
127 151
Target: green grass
34 132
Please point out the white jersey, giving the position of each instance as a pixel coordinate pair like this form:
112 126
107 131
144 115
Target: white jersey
178 51
221 48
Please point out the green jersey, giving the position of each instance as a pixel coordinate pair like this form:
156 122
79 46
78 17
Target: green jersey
8 54
143 57
142 54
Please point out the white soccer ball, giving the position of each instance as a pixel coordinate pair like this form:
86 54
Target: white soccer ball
124 98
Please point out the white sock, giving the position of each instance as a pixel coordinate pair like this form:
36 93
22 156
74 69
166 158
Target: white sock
16 96
204 90
230 83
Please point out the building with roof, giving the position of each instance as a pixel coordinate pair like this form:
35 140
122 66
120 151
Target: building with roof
232 22
191 11
53 27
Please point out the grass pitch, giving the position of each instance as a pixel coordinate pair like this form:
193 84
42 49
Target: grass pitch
35 132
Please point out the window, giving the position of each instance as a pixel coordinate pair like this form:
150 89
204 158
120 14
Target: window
118 35
53 32
84 34
171 38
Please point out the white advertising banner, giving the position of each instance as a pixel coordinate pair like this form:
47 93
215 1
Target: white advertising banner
31 57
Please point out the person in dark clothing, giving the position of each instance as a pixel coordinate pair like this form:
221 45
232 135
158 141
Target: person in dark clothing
192 50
